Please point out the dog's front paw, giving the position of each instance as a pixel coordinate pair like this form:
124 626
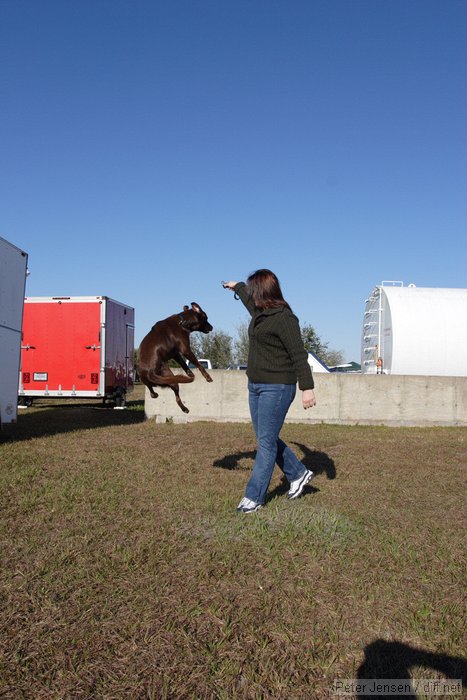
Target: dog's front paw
185 409
208 378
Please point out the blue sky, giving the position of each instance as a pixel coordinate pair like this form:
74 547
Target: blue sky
151 149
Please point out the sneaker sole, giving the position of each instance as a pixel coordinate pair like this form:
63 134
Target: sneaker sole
249 510
306 479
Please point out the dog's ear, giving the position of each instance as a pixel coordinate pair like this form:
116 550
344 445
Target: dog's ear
196 307
186 308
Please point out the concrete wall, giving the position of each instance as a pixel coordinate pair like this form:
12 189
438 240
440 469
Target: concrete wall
341 398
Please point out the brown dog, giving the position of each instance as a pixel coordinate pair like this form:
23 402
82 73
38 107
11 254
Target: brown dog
170 340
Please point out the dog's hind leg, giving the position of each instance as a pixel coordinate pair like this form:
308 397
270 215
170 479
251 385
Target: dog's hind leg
167 378
174 388
166 371
149 384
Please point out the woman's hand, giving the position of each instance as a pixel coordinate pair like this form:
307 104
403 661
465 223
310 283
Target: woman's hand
229 285
308 398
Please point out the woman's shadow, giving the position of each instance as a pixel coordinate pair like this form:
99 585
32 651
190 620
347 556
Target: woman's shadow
318 462
393 660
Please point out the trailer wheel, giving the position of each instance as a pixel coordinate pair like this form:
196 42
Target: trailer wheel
120 402
25 401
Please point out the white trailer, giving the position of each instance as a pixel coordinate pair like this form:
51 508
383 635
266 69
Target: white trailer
415 330
316 364
13 270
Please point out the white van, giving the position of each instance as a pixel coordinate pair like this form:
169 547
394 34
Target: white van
203 361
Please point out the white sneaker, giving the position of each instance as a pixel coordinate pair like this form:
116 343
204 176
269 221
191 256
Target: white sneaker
297 486
246 505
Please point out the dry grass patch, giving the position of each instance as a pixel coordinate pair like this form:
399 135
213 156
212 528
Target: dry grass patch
127 573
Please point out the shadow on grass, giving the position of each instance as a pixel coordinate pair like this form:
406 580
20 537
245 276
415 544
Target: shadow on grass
318 462
43 420
232 461
393 660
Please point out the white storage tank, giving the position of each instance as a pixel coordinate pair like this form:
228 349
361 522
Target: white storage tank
415 330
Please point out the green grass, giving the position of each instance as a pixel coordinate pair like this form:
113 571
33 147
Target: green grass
127 573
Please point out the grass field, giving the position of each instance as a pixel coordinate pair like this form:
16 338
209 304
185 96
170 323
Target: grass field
126 572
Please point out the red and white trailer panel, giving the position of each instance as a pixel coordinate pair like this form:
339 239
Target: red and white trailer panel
77 347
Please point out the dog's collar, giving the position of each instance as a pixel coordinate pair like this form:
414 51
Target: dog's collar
181 322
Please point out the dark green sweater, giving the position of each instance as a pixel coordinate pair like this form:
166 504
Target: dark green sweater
276 354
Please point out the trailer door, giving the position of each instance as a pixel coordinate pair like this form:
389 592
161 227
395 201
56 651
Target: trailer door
61 347
130 355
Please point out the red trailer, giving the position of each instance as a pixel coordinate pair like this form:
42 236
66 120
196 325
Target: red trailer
77 347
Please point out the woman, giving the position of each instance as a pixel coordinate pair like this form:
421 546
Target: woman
277 359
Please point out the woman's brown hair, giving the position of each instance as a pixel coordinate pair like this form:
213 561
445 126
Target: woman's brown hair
265 290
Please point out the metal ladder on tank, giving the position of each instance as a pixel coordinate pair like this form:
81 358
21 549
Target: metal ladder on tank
372 330
372 327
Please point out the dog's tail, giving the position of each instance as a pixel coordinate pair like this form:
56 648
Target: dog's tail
167 379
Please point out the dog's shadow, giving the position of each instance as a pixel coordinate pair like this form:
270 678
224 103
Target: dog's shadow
319 463
394 659
233 461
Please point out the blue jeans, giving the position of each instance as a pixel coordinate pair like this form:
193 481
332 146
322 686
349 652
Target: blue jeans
269 404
